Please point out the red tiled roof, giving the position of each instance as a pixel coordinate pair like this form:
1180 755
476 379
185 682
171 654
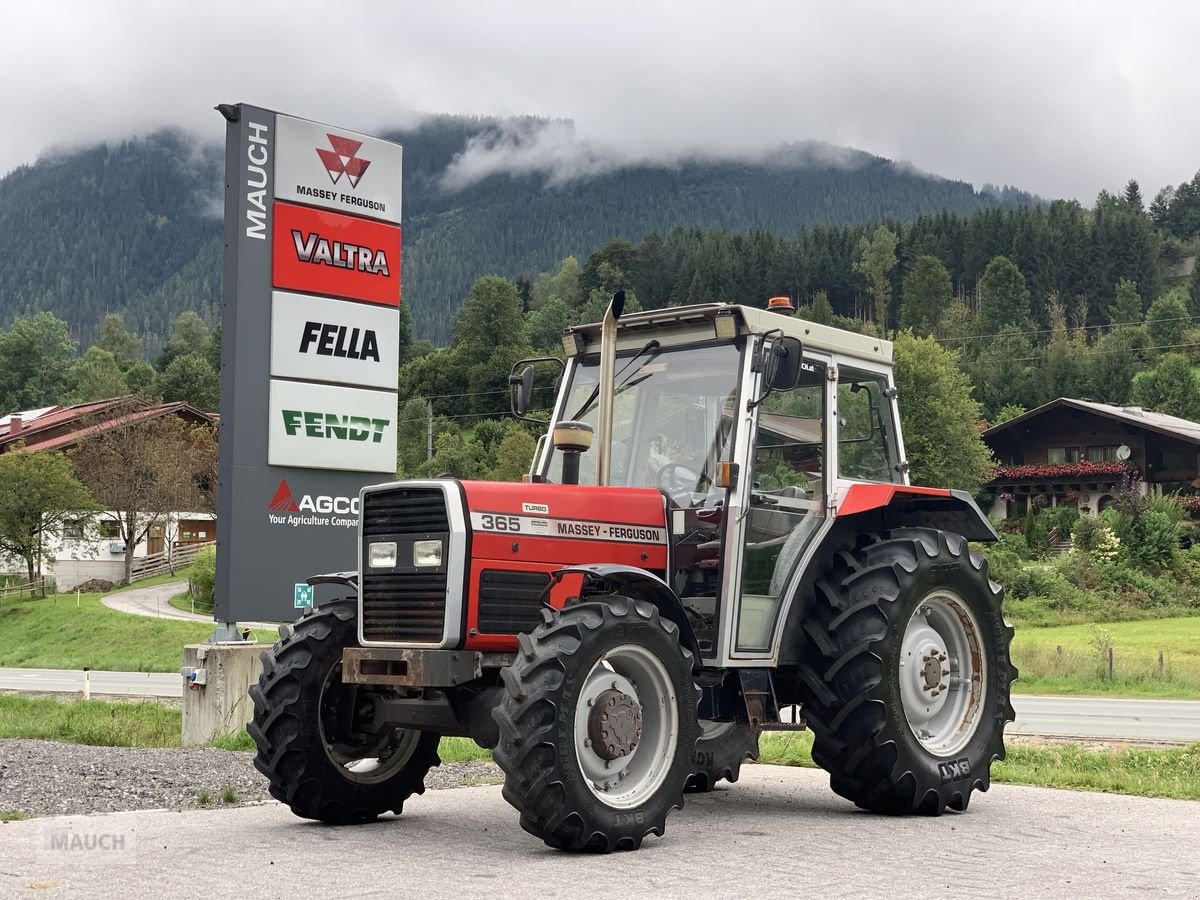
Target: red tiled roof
69 425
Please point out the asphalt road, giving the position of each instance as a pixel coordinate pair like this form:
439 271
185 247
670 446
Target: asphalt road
116 684
1148 720
777 833
152 601
1085 717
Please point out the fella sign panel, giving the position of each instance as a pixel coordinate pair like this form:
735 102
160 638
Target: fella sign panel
310 351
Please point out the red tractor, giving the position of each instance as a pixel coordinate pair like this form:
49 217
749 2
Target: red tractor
719 528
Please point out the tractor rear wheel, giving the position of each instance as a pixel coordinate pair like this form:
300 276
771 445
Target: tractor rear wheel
303 725
720 752
907 673
597 725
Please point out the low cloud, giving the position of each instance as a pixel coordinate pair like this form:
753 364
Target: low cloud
554 150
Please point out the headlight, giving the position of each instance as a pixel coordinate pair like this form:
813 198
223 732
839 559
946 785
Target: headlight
382 555
427 553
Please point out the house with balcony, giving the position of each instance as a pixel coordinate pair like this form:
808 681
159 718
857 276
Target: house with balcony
1079 452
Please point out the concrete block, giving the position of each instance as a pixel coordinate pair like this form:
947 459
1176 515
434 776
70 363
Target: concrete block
217 679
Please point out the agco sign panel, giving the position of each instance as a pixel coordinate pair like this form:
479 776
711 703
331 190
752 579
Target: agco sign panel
319 339
328 253
337 169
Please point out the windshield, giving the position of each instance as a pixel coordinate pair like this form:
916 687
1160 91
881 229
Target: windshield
671 420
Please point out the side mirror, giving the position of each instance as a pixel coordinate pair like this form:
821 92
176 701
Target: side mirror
779 362
521 385
524 393
781 370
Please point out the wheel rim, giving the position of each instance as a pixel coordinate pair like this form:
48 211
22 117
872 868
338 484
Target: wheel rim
637 744
361 765
943 673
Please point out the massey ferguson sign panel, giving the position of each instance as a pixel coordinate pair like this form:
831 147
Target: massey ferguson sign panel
330 340
323 252
338 169
310 351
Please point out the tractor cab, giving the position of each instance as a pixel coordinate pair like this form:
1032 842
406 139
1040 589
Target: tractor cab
751 424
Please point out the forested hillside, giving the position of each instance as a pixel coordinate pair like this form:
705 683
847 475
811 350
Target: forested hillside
134 228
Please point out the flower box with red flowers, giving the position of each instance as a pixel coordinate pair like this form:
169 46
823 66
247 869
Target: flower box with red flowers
1079 470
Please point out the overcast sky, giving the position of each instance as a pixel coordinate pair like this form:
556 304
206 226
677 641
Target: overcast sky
1057 98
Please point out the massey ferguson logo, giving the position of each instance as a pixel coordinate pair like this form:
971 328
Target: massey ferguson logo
312 248
285 509
343 159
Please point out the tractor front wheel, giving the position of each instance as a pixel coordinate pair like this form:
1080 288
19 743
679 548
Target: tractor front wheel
315 756
597 725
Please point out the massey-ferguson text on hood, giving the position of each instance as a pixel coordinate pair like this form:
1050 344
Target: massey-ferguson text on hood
567 523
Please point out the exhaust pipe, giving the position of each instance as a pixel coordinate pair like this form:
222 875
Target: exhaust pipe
608 367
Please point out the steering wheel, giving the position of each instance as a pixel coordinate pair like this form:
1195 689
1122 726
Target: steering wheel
676 478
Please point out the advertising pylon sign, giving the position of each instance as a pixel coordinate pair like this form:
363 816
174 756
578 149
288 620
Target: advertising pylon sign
310 334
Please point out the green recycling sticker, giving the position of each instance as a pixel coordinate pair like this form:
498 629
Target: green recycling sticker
304 595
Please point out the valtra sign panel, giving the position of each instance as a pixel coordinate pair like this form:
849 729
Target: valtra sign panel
319 426
319 252
337 169
319 339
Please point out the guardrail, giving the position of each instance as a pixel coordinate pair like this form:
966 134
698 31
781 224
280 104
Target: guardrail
159 563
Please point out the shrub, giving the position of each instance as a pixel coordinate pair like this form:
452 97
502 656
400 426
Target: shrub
1039 526
1092 535
1004 565
1149 529
203 577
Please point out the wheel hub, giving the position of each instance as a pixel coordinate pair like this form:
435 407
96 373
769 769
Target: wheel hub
614 724
932 671
942 673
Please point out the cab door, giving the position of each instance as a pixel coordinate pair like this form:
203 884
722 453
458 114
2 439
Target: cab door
782 504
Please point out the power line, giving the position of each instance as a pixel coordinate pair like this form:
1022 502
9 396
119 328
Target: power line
981 337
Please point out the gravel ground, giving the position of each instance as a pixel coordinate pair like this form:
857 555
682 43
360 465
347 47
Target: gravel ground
45 778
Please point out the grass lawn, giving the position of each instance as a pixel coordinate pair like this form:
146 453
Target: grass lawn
55 633
1080 667
1173 772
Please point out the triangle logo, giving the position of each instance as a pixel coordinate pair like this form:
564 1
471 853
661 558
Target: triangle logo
283 501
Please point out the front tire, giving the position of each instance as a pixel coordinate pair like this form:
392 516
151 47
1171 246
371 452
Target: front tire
597 724
302 724
907 673
719 754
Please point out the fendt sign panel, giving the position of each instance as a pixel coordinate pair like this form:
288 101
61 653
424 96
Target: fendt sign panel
310 351
337 169
319 426
319 339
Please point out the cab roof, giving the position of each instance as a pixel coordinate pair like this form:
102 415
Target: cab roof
681 324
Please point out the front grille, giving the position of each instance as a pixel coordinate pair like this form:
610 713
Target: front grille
407 607
511 602
404 604
400 511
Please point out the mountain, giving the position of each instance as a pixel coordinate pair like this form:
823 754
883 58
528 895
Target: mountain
135 227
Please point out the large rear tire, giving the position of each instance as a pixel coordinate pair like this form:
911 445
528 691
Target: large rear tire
597 725
907 673
719 754
302 724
